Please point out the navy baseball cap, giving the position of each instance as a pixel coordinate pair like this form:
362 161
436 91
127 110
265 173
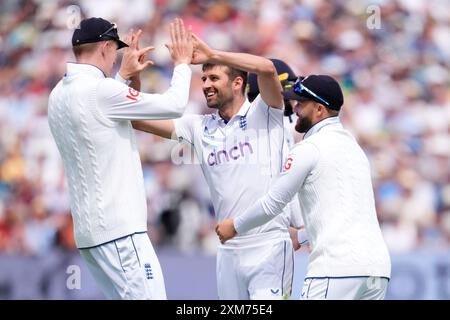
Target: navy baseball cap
320 88
285 74
286 77
94 30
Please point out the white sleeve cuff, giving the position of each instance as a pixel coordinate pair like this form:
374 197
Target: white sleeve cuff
302 236
122 80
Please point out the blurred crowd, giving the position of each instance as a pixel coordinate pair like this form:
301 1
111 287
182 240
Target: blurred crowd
391 57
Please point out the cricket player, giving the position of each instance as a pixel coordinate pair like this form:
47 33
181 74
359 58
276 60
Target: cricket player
89 116
330 174
241 149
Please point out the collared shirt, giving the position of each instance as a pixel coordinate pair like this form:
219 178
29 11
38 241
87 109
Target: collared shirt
319 125
330 175
239 158
89 119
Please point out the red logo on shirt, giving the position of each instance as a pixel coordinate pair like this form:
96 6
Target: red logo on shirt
133 94
288 164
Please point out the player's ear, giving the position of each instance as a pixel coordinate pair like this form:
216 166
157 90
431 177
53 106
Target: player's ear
104 47
238 82
321 108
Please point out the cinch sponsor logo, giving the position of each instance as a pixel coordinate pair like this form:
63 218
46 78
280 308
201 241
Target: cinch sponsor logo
234 153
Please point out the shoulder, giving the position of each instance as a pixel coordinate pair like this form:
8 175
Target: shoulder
111 84
304 146
258 103
55 90
260 108
194 121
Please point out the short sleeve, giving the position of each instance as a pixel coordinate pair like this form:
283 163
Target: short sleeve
185 127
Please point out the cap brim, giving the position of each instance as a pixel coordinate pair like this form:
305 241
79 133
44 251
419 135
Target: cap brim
121 44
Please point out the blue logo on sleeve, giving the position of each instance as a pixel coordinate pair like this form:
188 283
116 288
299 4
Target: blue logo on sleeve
148 271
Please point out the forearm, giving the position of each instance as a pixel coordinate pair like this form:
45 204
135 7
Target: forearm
282 191
135 105
177 95
243 61
162 128
135 83
253 217
268 82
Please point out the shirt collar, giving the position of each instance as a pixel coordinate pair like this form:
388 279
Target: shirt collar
319 125
78 68
241 113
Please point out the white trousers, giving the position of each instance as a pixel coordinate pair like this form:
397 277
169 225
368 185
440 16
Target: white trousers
261 271
345 288
126 268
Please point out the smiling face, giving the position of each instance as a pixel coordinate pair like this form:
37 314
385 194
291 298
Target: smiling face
217 87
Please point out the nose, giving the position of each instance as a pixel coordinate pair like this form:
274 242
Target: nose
206 84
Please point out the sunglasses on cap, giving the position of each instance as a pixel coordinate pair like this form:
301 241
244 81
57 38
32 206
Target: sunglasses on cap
114 26
299 88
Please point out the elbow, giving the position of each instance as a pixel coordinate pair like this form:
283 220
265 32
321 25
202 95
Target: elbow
177 106
178 114
267 68
135 125
178 111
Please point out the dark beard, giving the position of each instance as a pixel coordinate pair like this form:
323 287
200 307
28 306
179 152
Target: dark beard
303 125
219 103
213 105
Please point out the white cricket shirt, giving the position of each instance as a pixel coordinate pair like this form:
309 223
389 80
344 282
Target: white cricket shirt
331 176
89 117
239 158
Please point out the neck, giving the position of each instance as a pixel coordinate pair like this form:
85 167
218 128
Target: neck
228 111
92 61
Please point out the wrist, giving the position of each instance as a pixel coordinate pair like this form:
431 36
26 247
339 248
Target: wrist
182 61
214 56
235 226
302 236
126 76
135 77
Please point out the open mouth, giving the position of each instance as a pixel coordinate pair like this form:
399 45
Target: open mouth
210 94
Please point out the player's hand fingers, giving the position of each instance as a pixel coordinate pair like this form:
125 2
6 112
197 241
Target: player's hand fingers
128 37
195 38
145 50
189 33
177 30
138 36
172 33
169 47
132 43
146 64
181 29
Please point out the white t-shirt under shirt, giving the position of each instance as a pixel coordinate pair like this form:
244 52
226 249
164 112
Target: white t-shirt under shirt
239 158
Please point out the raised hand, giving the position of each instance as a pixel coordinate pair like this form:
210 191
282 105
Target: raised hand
202 52
133 61
181 46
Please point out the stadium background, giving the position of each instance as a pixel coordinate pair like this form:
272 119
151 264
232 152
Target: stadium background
395 76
